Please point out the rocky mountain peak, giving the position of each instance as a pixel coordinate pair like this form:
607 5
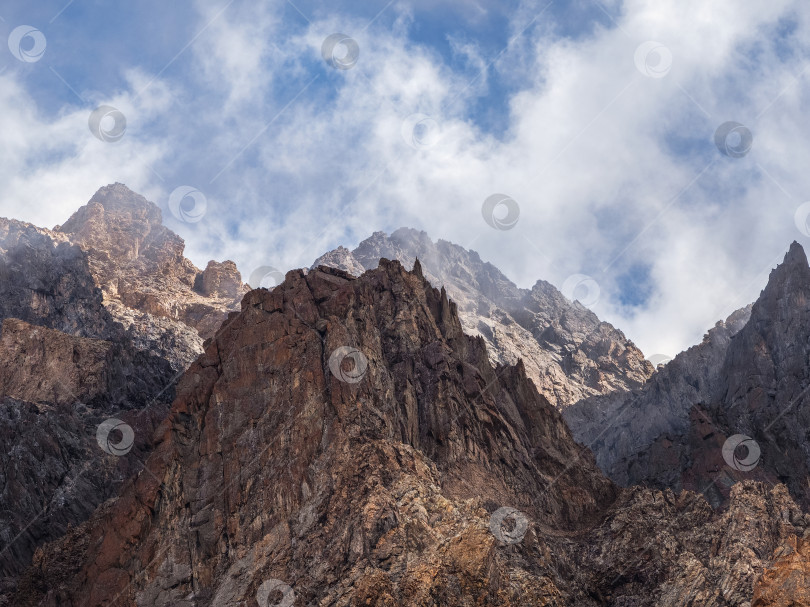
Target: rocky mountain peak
748 377
120 227
306 445
787 290
567 351
139 265
117 199
795 257
419 474
789 281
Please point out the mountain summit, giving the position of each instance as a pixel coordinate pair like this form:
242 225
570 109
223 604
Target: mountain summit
567 351
139 265
749 377
341 441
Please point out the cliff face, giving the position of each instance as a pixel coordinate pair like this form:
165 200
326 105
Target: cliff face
567 351
64 368
167 303
748 377
342 442
67 363
44 280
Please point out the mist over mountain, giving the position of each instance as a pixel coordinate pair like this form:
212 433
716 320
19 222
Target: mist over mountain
567 351
749 376
379 430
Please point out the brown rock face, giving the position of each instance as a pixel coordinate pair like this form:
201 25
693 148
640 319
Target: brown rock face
48 366
278 469
221 280
147 282
51 366
787 582
567 351
342 442
67 363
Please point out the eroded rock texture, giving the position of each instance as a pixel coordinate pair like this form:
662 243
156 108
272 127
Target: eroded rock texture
167 303
67 362
381 490
567 351
749 376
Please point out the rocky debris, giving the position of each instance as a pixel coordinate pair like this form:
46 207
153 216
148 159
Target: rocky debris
175 341
749 376
664 549
342 442
567 352
139 265
786 583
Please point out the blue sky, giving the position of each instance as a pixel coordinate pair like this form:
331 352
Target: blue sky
596 117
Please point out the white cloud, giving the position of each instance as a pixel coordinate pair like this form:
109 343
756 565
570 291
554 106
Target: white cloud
600 158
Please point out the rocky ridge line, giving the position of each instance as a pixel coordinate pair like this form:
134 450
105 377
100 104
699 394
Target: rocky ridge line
748 377
568 352
381 490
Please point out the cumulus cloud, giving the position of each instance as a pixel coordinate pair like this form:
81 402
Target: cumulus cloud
614 169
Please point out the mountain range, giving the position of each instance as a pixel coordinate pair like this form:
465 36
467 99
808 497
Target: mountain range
396 425
567 351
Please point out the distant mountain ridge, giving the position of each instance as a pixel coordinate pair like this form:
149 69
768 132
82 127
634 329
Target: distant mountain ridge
567 351
750 376
344 441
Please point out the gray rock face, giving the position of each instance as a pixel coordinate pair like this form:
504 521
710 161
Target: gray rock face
624 423
567 351
45 280
98 317
749 376
64 368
